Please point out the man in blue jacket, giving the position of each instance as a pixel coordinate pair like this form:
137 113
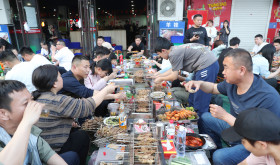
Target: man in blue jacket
73 84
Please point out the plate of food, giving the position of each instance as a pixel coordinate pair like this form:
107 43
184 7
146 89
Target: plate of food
111 121
157 95
194 141
178 115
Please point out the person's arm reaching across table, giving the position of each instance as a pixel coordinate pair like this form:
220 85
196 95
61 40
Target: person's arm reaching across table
215 110
171 77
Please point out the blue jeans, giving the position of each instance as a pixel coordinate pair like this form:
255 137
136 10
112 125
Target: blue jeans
230 156
70 157
227 156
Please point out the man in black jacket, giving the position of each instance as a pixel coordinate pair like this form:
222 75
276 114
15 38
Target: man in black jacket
197 33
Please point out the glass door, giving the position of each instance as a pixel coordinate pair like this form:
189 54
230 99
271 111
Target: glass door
27 12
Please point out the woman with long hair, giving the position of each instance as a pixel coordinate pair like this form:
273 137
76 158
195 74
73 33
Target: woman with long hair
45 50
262 64
61 110
224 32
101 72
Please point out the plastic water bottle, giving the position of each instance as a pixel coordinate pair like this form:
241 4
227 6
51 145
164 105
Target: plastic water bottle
170 130
180 143
125 65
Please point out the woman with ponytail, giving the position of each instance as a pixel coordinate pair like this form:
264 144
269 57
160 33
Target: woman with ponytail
62 109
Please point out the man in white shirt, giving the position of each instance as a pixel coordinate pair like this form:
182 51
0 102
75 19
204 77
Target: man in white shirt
35 59
21 71
259 44
62 55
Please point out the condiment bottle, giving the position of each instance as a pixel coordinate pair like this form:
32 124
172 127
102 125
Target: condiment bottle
170 130
122 120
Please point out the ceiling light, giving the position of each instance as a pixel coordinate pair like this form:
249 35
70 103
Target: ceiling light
44 7
70 13
132 5
105 11
99 8
28 4
132 1
54 15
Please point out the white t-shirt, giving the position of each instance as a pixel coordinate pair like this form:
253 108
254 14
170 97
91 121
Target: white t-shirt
64 56
39 60
257 48
44 52
23 73
211 32
165 63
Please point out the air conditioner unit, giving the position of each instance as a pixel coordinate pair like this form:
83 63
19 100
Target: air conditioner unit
170 10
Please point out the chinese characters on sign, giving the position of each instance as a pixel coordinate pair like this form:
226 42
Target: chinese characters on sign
171 28
217 6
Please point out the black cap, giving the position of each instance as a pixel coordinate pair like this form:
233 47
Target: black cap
256 124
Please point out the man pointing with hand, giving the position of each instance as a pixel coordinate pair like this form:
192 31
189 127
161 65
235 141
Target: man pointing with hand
244 90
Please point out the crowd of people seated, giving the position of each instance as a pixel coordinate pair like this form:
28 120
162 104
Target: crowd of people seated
72 87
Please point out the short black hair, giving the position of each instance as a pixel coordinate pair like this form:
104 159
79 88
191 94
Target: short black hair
210 21
101 37
6 88
241 57
44 77
62 42
162 43
277 41
259 35
26 50
197 15
79 58
7 55
267 52
102 51
138 36
104 64
113 56
234 41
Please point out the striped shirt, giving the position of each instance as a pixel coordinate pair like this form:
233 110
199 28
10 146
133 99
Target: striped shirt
56 127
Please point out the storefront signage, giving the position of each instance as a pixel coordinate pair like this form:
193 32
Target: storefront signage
217 6
4 33
171 28
32 31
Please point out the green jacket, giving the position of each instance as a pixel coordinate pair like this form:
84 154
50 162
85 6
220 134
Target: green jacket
44 149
